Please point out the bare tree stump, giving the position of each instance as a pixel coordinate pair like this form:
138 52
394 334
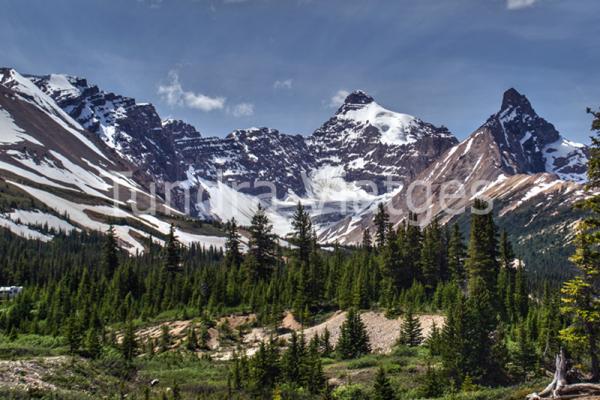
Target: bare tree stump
559 389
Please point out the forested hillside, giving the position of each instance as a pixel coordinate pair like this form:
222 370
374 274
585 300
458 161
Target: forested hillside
85 298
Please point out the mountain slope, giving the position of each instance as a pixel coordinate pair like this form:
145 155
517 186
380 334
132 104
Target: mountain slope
510 160
58 174
373 143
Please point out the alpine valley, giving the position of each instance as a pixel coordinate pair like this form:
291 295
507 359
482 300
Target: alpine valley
75 157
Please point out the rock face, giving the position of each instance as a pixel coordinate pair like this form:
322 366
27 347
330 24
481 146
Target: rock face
61 176
373 143
530 144
134 130
362 141
247 158
364 154
514 145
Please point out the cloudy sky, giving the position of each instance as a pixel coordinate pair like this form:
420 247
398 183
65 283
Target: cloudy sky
286 64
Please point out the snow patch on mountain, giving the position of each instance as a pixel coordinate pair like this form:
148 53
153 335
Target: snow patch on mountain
41 219
395 127
10 133
30 93
23 230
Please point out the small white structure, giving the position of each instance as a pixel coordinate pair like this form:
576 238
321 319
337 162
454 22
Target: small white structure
9 292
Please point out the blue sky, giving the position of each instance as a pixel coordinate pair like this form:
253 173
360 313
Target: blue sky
226 64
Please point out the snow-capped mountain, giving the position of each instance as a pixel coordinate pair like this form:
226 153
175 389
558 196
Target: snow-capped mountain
373 143
134 130
362 141
516 157
530 144
58 176
61 134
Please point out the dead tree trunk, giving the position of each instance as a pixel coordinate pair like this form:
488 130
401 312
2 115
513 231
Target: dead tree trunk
559 389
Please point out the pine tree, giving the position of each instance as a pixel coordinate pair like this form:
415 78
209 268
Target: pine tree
481 260
382 388
392 268
164 342
313 377
456 255
129 343
381 225
431 257
353 341
260 259
110 251
521 293
326 348
73 333
410 331
92 344
525 356
191 342
367 241
233 254
172 257
291 360
301 235
580 295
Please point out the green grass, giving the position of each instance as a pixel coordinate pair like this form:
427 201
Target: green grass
108 377
27 346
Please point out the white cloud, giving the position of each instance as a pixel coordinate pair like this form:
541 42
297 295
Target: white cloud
174 95
242 110
283 84
338 98
519 4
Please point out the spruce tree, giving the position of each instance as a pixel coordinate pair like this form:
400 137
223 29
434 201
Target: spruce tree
367 241
456 255
129 343
411 333
301 235
164 342
73 333
381 225
292 358
394 277
353 341
92 343
481 262
521 293
580 295
430 262
326 347
191 342
525 356
313 378
110 251
382 388
233 254
172 258
260 259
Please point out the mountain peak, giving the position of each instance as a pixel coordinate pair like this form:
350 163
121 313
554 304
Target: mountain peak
512 98
358 97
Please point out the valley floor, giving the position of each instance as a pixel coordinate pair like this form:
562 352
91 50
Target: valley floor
34 366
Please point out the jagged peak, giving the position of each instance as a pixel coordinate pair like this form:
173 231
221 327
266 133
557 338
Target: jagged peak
513 99
358 97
